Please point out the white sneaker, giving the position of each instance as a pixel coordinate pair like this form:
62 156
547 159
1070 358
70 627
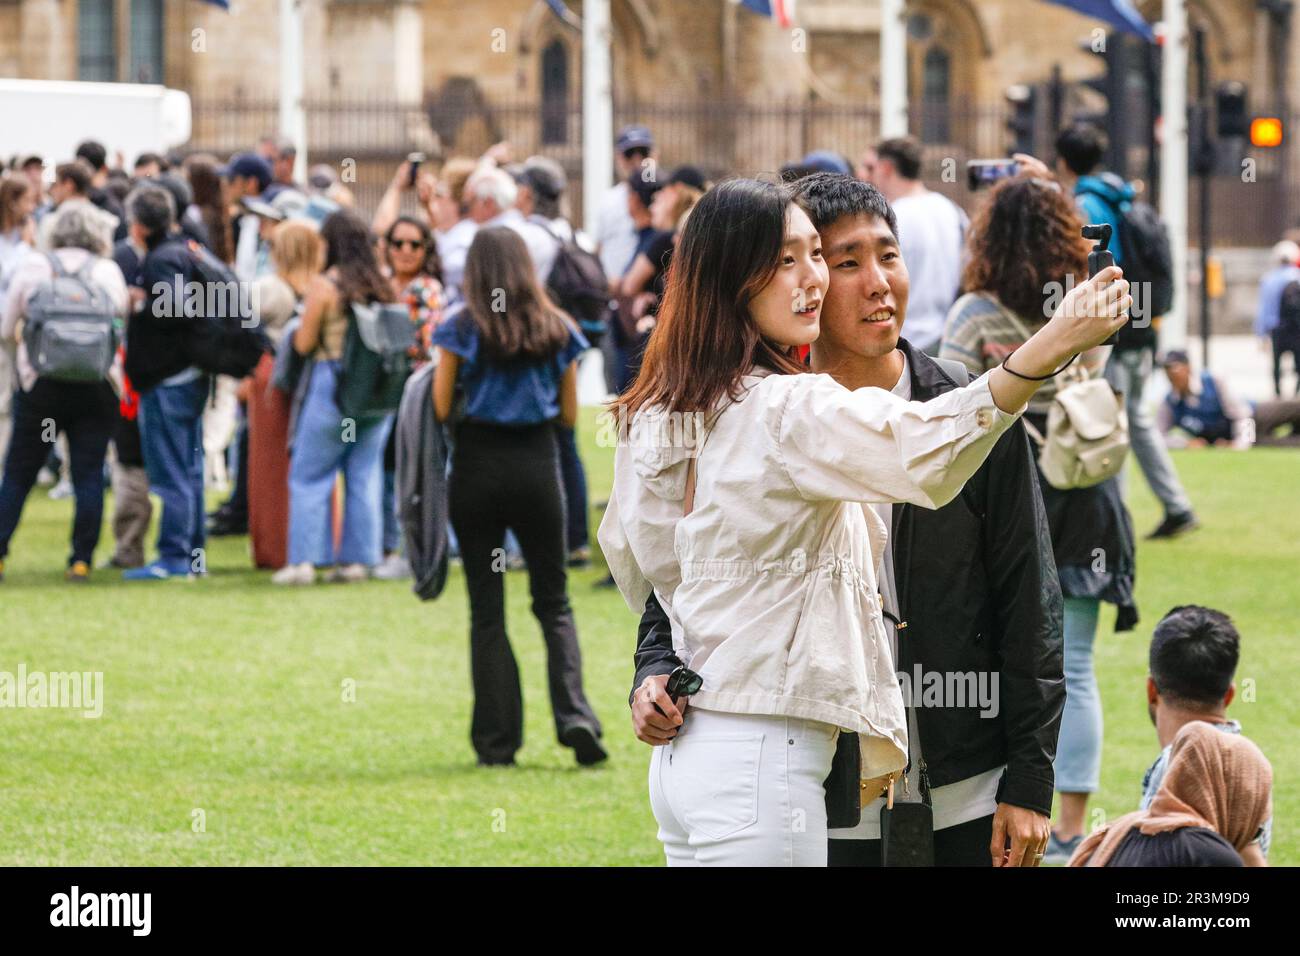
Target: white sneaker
295 574
392 568
62 490
349 573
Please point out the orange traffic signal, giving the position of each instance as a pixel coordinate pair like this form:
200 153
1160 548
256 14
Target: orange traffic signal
1266 131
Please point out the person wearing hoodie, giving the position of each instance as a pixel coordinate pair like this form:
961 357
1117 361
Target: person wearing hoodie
737 500
1102 198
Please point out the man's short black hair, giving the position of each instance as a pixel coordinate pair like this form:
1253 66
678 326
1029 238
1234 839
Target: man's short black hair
145 159
904 152
77 172
1081 147
1194 652
153 208
94 153
829 197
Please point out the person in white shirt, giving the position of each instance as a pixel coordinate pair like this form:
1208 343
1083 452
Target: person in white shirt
931 228
490 194
616 237
737 490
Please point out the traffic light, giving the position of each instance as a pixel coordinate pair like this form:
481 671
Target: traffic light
1266 131
1111 85
1021 123
1230 108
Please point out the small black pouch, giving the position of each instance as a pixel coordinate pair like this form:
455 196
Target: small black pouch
907 835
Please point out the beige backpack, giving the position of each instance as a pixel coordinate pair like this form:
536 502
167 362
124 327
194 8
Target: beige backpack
1087 431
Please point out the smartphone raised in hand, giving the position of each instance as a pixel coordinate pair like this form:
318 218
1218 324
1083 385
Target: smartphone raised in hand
414 160
985 172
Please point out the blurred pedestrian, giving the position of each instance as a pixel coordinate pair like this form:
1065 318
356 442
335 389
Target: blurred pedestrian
44 405
931 228
326 446
1103 197
1277 319
173 392
518 372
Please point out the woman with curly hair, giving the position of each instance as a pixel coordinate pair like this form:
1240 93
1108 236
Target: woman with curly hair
1025 251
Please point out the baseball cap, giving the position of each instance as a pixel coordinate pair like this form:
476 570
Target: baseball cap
1175 356
544 176
688 176
824 161
634 137
248 164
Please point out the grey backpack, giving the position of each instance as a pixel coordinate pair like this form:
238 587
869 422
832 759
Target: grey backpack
70 329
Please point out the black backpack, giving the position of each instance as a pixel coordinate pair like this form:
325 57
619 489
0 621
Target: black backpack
1148 264
227 337
1288 312
579 286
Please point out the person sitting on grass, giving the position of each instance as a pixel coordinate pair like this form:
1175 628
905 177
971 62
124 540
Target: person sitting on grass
1202 410
1193 657
1207 812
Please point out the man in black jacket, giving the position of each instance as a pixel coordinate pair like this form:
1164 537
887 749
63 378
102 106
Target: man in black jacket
972 586
172 390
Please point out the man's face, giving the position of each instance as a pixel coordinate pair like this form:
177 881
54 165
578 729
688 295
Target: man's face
867 300
1179 376
149 170
241 186
61 190
283 168
867 167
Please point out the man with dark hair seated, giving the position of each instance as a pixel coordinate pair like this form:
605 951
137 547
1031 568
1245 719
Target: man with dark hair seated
1193 658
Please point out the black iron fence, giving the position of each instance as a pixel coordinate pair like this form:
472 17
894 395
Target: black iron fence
1252 202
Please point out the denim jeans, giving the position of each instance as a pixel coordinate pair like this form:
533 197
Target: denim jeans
1128 371
171 437
1078 749
575 488
325 445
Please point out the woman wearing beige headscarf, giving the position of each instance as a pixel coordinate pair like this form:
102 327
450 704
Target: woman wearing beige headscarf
1211 805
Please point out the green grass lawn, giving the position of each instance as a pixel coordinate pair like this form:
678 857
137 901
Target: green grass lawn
226 696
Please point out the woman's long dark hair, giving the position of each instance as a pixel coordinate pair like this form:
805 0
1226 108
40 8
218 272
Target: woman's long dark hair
350 252
205 184
432 263
705 340
1024 239
514 315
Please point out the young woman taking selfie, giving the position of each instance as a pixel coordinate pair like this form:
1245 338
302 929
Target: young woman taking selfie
738 486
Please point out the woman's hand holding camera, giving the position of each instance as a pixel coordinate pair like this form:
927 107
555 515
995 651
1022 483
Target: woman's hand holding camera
1088 315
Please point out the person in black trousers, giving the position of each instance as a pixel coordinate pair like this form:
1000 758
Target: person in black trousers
86 412
513 353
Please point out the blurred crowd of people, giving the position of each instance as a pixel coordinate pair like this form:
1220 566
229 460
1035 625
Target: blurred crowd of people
506 297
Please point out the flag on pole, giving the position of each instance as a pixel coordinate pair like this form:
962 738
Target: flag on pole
1118 13
780 10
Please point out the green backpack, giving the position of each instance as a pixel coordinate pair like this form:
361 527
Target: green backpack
376 360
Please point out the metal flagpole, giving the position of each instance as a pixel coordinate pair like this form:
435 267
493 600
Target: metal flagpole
597 110
293 118
1173 163
893 70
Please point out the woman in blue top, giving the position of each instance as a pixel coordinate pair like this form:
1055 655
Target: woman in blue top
514 354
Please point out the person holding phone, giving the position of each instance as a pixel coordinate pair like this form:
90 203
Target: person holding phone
738 485
1026 248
